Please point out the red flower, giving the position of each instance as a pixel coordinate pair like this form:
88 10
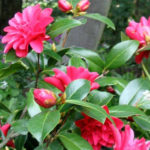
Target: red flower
5 129
96 133
27 28
64 5
140 32
83 5
61 79
110 89
44 98
125 140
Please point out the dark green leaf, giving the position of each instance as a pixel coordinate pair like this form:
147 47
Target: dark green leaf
62 25
77 62
90 109
73 141
33 107
102 19
42 124
5 72
20 126
121 53
20 141
95 63
134 91
78 89
143 122
3 107
124 37
99 98
124 111
56 145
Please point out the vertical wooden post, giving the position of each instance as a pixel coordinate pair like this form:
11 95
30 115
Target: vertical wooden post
89 35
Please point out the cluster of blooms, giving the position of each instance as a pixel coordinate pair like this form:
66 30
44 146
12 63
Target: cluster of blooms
108 135
27 28
66 7
140 32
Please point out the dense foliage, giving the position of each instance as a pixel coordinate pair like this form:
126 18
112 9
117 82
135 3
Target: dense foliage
79 104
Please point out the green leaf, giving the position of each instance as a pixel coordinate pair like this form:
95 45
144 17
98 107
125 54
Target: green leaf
42 124
143 122
124 37
102 19
20 126
13 68
90 109
99 98
134 91
78 89
20 141
124 111
120 54
33 107
42 147
72 141
62 25
11 57
94 61
52 54
77 62
3 107
56 145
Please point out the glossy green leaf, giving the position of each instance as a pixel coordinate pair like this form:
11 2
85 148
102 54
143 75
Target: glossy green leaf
20 141
3 107
134 91
11 57
99 98
42 124
90 109
56 145
143 122
32 106
121 53
124 37
72 141
102 19
78 89
77 62
13 68
42 147
124 111
20 126
62 25
94 61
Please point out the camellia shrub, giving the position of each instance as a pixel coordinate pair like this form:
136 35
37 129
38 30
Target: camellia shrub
76 104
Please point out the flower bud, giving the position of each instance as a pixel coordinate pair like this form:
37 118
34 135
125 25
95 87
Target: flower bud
44 98
110 89
83 5
64 5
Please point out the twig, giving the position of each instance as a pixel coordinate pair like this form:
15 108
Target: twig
9 137
103 74
65 38
38 71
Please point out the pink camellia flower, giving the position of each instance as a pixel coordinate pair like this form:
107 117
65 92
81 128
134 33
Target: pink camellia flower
83 5
44 98
64 5
98 134
5 129
61 79
27 28
125 140
140 32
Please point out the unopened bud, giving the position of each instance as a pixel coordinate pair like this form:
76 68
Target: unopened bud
110 90
44 98
64 6
54 47
83 5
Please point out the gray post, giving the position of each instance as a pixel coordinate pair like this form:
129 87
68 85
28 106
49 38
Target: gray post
89 35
